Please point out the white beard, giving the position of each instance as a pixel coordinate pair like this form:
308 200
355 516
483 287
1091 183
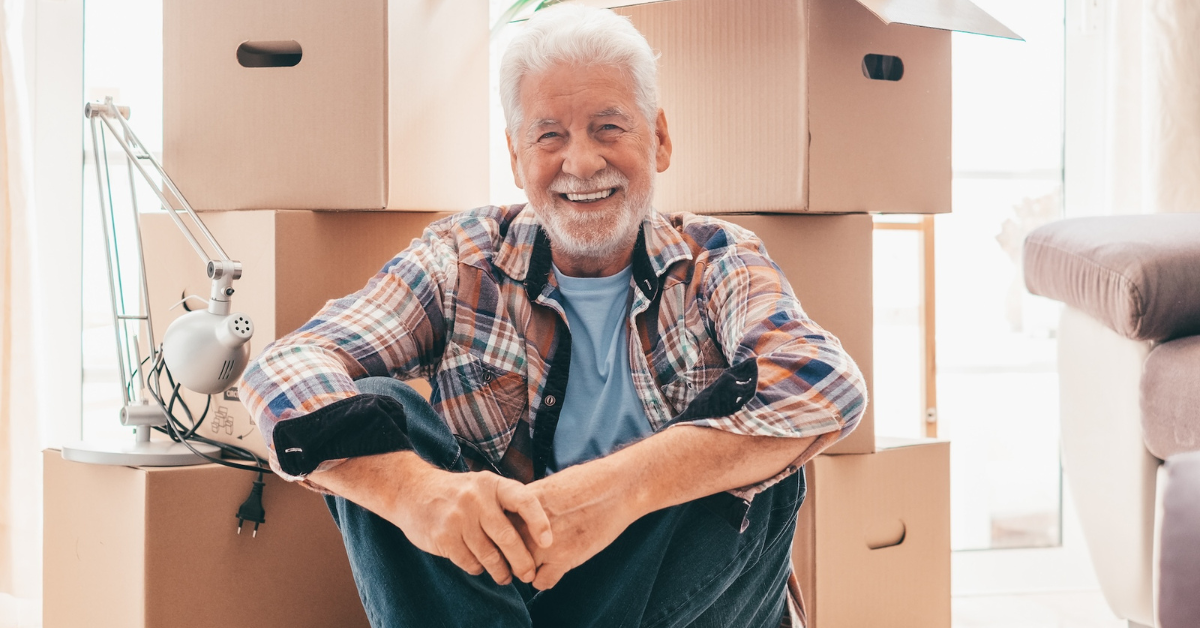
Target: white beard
593 235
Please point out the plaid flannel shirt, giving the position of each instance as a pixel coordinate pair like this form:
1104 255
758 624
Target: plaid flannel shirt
717 339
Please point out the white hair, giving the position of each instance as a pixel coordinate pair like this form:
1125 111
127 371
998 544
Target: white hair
579 35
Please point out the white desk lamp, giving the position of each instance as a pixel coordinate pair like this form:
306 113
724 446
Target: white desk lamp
205 350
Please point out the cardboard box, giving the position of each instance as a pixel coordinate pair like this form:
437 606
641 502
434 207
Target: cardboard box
772 108
827 259
872 544
310 104
151 547
292 263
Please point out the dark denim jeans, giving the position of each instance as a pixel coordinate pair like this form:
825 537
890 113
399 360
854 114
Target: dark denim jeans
680 566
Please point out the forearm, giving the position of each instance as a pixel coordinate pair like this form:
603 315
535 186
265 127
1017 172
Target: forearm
373 482
590 504
682 464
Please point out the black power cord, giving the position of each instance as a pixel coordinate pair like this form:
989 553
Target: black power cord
252 508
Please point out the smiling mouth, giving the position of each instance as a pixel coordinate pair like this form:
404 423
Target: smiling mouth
590 197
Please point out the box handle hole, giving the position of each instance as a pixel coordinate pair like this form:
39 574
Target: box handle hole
881 535
269 54
882 67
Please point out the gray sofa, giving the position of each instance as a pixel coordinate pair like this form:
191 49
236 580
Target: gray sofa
1129 381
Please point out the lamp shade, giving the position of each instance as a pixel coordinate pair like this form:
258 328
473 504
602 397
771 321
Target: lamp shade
207 352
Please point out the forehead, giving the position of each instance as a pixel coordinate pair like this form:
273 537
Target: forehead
568 90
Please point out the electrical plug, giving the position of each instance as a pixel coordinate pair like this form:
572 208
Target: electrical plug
252 508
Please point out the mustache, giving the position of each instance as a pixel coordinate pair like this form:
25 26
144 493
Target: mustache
570 184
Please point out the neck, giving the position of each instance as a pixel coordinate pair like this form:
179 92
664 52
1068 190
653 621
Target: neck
592 266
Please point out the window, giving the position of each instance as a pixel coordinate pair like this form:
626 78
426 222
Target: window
122 59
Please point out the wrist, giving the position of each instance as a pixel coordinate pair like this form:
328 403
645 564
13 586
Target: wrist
606 486
411 477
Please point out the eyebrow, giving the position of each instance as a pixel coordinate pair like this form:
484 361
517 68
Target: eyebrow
611 111
534 125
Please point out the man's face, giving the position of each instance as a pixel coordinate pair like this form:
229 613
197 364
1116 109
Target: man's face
586 157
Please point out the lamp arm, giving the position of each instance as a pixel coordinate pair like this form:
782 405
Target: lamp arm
221 270
107 112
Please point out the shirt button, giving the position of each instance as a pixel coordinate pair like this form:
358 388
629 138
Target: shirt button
550 400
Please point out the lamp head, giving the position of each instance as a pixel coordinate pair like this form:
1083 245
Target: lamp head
207 352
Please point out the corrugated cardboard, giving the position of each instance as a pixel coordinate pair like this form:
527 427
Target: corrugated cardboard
292 263
387 107
154 547
827 259
770 109
872 544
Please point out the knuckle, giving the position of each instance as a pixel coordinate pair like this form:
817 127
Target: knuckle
491 557
508 537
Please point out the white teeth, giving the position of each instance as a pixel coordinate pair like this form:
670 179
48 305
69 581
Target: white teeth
594 196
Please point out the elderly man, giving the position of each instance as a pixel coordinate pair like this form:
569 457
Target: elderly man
622 400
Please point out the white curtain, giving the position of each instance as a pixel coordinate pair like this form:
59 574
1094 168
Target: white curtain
1171 105
1133 106
20 468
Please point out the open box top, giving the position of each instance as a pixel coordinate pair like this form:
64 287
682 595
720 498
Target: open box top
948 15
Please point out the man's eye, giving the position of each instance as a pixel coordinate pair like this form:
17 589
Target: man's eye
609 127
548 136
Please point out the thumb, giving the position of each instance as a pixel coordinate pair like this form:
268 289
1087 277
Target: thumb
518 498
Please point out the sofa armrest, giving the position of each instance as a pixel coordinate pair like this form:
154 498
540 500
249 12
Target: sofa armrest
1139 275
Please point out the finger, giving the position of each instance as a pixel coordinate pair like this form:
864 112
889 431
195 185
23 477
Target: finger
515 497
505 536
547 577
461 556
489 556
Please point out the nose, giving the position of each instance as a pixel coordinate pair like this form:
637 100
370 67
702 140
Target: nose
583 158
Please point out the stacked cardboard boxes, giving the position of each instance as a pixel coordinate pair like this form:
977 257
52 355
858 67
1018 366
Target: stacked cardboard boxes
787 109
275 113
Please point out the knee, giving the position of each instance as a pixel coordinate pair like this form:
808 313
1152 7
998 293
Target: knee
431 438
388 386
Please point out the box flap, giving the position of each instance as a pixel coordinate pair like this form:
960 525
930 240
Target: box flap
950 15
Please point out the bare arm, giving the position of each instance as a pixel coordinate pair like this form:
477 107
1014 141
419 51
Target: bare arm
459 516
589 505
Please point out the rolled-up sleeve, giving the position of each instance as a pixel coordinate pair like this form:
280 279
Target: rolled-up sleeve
788 377
394 327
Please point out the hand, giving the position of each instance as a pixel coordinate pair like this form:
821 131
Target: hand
462 517
586 516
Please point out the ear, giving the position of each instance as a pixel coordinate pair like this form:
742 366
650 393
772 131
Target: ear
663 155
512 157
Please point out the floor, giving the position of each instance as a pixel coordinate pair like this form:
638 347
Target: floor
1073 609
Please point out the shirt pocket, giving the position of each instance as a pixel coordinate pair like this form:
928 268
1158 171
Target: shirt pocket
481 403
708 365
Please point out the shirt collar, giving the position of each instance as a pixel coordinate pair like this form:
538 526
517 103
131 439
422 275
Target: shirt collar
525 254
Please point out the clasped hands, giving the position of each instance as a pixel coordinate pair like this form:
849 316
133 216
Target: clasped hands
536 532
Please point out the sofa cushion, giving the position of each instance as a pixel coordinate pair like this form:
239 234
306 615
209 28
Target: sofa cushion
1179 543
1139 275
1170 398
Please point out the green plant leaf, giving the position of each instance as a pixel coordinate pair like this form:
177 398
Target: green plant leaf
510 13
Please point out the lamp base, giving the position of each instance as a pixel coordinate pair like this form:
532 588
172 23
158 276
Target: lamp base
136 453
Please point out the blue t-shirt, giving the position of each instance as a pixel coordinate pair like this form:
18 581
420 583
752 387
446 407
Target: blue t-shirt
602 410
